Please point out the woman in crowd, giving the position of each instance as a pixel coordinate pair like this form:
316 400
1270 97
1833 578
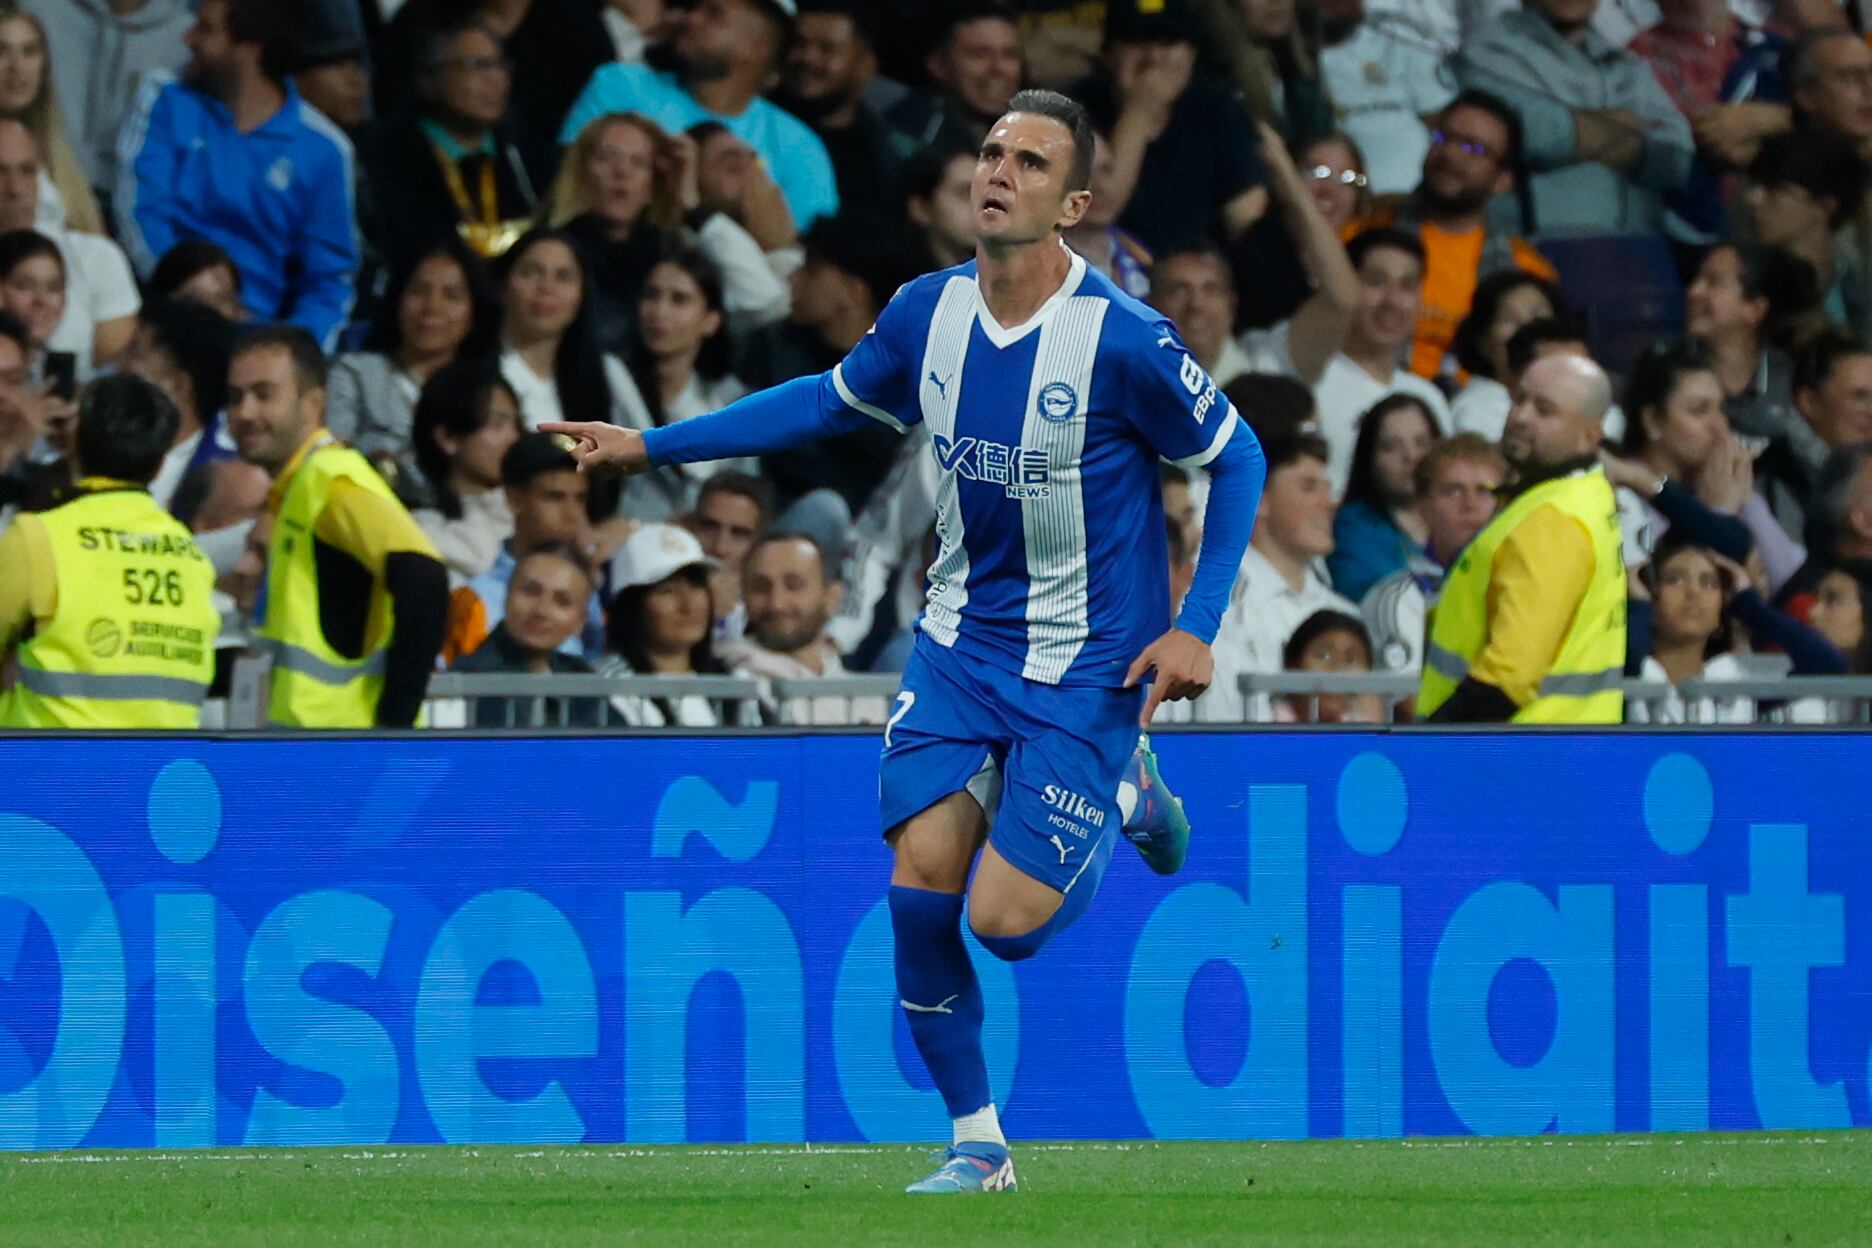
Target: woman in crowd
1503 303
465 421
546 601
32 287
1378 527
679 368
28 97
1842 613
547 352
624 192
1745 305
1334 170
438 309
200 271
661 624
1689 636
1328 641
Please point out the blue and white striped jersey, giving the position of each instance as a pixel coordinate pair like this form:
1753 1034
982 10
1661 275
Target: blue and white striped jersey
1052 561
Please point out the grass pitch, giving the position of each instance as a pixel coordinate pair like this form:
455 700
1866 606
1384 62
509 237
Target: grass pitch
1769 1189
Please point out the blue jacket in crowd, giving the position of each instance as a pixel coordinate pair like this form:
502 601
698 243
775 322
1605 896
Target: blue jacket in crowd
279 199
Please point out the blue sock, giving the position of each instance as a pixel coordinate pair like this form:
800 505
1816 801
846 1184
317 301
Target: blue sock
934 972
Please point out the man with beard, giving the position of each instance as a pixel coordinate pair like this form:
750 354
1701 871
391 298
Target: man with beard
789 600
1475 149
1530 626
828 66
231 154
718 60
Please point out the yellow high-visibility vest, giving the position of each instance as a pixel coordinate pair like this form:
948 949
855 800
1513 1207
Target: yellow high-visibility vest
132 641
1584 685
314 686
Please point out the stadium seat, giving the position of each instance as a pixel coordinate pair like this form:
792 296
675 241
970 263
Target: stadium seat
1624 288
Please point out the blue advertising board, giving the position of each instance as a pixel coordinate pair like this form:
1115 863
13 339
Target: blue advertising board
215 942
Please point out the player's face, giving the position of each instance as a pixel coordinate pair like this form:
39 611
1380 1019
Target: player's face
788 597
1019 193
1461 503
546 602
1196 293
1390 297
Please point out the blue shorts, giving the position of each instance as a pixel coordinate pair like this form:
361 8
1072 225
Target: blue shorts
1044 761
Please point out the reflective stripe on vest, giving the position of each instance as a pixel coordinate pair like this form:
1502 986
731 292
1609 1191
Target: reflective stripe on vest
108 688
293 658
1570 684
1445 662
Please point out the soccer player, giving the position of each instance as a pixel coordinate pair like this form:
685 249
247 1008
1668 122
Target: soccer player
1049 396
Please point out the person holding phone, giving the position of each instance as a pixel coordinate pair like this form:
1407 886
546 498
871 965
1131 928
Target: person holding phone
32 288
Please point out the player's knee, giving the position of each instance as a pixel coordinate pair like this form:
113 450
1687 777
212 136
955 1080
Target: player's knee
1009 937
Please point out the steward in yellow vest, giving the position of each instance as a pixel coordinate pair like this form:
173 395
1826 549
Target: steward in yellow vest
105 600
1530 625
356 598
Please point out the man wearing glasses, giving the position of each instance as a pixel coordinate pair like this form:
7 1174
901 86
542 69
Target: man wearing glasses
1474 153
1604 143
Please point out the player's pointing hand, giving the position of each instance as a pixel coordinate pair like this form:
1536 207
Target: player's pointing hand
1184 669
599 447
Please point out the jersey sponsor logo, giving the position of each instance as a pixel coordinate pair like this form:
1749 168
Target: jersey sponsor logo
1058 402
1024 473
1069 803
1197 382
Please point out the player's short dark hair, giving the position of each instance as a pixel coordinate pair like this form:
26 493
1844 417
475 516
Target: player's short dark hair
310 367
756 490
1385 237
125 427
1289 446
199 340
869 248
1498 108
532 456
1071 114
1531 337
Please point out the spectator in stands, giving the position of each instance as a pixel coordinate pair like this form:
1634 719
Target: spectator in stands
1328 641
545 609
734 180
936 201
1530 625
63 592
438 309
832 59
1842 613
852 269
64 198
1195 289
546 496
1724 76
1266 54
1456 485
790 598
1806 195
1385 82
1741 304
328 65
975 66
1169 126
182 348
1334 169
451 165
231 154
221 495
1690 636
137 39
32 287
623 193
1474 153
356 597
731 512
1503 303
891 544
201 272
553 46
1182 531
1830 74
1107 248
1280 583
1833 399
679 367
465 423
23 415
1389 265
1272 403
635 25
659 625
1604 142
725 54
1380 527
1675 434
547 352
101 294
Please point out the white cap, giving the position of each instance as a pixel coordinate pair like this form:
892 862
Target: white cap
654 553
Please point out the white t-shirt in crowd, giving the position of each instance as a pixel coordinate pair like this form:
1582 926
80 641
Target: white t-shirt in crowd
1675 709
1263 613
539 396
1385 80
99 287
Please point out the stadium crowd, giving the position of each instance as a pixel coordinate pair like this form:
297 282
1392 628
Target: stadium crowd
457 220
